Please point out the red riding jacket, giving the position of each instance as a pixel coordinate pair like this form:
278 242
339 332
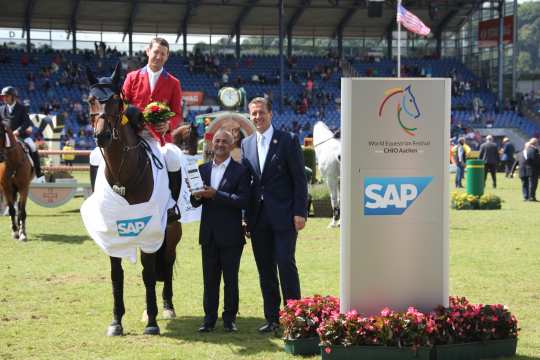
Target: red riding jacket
167 90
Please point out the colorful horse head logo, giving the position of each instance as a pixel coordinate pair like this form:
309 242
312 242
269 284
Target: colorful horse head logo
408 105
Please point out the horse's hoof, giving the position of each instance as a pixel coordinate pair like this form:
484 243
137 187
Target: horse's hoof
15 235
115 330
144 317
169 314
22 237
151 330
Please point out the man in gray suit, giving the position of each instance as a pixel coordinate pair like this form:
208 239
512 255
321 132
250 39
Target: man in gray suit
489 153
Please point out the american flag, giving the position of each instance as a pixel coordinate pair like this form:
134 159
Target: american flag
411 21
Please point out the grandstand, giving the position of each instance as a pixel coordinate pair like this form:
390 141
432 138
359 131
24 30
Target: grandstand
52 80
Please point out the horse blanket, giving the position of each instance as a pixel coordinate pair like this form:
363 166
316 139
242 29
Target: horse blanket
119 228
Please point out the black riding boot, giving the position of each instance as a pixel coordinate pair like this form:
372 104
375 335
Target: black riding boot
37 166
175 184
93 175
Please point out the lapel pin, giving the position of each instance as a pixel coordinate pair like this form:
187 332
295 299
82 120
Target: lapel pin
275 141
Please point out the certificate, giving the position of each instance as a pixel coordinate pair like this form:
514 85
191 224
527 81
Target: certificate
194 177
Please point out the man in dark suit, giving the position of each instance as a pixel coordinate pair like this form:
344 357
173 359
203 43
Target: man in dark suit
16 117
490 154
524 174
221 236
507 156
532 166
277 207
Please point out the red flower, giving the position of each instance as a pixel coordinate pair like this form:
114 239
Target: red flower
155 108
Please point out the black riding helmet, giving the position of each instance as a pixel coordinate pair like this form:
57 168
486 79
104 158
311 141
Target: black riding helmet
9 90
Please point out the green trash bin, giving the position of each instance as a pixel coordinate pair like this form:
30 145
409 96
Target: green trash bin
475 177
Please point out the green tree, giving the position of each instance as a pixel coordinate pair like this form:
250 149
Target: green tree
528 38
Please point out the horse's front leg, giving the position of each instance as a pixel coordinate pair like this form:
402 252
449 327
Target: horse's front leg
13 216
149 277
333 184
172 238
117 278
21 217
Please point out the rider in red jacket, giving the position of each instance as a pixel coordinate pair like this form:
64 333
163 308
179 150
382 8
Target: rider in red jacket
153 83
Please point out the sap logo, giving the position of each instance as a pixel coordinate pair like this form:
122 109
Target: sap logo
132 227
392 195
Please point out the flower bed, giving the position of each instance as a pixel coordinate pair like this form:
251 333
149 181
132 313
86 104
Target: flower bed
300 320
460 331
463 201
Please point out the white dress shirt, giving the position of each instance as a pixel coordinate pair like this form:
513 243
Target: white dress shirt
153 77
263 144
10 107
217 172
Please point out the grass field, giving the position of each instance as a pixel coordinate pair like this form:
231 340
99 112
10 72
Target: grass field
56 301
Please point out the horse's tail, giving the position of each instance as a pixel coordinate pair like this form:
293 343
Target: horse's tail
162 263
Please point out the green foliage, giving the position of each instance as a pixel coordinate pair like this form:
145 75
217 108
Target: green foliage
528 35
310 161
319 192
462 201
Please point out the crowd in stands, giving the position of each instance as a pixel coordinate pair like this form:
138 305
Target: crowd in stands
54 83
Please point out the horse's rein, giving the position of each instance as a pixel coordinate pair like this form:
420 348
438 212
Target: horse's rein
118 188
322 142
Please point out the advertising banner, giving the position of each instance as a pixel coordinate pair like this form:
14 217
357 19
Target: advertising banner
193 97
488 32
394 199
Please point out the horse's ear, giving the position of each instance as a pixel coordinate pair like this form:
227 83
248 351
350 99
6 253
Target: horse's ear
116 75
91 77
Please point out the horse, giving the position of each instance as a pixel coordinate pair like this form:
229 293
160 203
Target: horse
128 170
407 104
16 173
328 154
185 137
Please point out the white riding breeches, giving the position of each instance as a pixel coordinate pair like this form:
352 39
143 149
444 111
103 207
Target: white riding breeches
172 155
31 144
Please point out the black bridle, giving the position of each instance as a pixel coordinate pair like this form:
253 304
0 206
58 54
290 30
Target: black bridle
113 122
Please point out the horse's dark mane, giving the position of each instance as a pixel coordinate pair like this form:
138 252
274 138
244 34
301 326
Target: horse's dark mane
136 119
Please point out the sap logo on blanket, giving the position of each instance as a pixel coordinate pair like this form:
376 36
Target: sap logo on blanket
132 227
392 195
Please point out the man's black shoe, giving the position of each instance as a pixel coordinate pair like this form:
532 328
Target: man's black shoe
269 327
230 326
206 328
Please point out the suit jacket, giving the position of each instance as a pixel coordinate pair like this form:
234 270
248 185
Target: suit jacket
522 165
137 91
508 152
17 120
282 186
221 217
489 153
532 164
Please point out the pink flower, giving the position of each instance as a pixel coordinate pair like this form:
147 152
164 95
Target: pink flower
328 350
386 312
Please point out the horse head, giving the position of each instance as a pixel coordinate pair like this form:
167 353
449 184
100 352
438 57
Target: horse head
408 103
106 106
186 138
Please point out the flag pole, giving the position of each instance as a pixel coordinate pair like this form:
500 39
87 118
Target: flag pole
398 42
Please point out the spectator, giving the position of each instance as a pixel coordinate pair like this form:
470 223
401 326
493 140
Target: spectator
490 155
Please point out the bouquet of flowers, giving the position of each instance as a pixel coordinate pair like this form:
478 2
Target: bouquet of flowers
157 112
